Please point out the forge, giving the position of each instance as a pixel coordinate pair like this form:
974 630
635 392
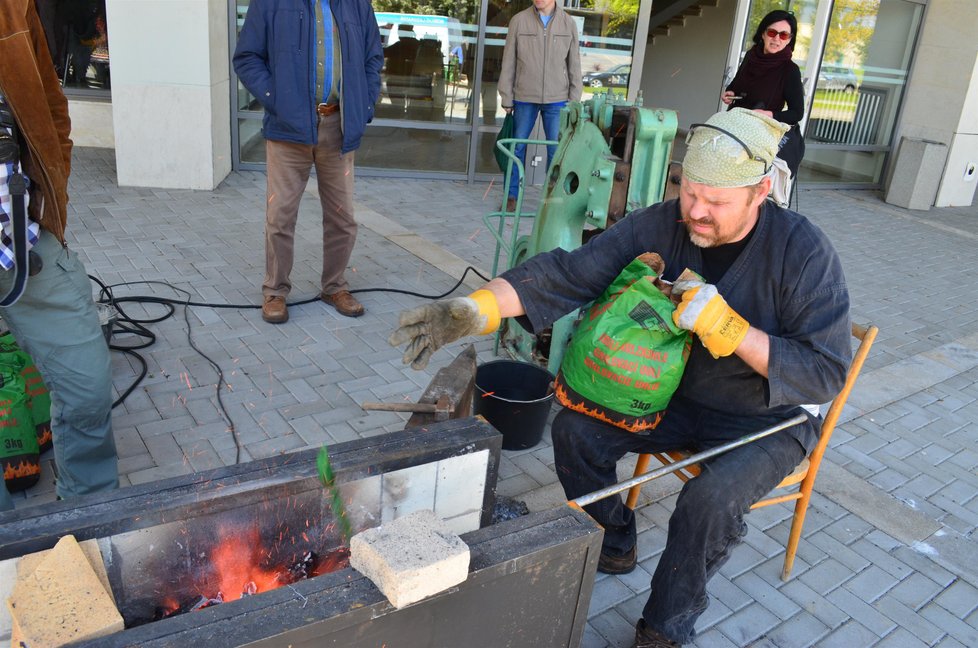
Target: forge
262 534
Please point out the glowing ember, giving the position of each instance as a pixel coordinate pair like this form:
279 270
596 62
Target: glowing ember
238 568
237 562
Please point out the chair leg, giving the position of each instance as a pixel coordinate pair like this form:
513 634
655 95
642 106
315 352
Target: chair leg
640 467
797 522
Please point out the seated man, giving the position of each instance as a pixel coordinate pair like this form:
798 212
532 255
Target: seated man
777 338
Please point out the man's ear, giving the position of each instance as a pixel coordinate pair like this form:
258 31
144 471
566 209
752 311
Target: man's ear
761 191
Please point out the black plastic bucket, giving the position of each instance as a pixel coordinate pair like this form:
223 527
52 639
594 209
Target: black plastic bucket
515 398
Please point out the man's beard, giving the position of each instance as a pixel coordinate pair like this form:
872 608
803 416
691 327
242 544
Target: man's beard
701 240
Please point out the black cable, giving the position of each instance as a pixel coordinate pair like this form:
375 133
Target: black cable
127 324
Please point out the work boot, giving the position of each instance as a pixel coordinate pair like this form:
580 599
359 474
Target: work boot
511 204
623 564
344 303
274 310
646 637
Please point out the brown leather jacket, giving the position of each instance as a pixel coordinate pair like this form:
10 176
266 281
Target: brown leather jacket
31 88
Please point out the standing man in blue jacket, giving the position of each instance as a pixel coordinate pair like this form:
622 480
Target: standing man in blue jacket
314 65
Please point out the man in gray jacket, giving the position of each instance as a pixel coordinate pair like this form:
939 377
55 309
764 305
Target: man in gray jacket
541 72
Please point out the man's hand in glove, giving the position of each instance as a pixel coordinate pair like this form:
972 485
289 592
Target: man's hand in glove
704 312
428 328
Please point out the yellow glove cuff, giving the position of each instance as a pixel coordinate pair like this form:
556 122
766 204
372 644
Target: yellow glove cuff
723 329
489 307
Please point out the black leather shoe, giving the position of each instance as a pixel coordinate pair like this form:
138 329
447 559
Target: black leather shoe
646 637
624 564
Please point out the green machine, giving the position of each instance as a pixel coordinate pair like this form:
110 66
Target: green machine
611 158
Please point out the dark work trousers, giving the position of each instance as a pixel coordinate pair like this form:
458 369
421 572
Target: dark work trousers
709 517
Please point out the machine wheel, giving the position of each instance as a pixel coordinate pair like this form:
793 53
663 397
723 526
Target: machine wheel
595 83
850 88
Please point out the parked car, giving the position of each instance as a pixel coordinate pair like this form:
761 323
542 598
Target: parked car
837 78
616 77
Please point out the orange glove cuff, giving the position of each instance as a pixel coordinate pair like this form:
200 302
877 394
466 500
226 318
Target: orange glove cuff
489 307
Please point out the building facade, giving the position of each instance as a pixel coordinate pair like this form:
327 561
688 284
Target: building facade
884 81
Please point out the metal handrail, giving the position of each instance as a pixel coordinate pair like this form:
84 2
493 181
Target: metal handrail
506 145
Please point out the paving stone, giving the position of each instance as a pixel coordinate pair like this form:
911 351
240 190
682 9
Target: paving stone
867 615
847 555
742 558
639 580
920 562
592 639
748 625
762 592
871 583
813 603
801 630
918 626
714 614
826 576
533 467
714 639
612 628
961 629
608 593
901 638
960 599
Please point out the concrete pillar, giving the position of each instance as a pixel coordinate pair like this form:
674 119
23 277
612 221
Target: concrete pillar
942 95
170 92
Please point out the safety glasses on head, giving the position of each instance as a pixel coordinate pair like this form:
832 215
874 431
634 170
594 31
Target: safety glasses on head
750 154
774 33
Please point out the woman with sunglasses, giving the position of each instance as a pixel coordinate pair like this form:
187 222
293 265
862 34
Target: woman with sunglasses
770 83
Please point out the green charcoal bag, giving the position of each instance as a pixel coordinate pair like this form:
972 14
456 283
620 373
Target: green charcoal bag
38 398
506 132
626 357
19 452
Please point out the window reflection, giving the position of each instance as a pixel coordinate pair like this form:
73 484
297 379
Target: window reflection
859 88
424 54
607 32
78 40
431 56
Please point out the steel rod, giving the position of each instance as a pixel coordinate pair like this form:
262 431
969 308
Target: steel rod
427 408
591 498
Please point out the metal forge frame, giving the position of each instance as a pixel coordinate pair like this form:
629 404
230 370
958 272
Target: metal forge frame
530 579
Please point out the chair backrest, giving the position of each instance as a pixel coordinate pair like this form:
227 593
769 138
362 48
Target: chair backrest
866 335
809 466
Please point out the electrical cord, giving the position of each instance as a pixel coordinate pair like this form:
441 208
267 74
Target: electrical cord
127 324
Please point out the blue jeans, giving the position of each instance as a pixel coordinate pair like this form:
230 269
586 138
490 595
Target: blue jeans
709 517
56 323
524 117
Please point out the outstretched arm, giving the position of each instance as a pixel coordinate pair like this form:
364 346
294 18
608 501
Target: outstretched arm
429 327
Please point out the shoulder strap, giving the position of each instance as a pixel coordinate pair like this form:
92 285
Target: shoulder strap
18 188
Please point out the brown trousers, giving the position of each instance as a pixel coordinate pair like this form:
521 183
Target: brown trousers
289 165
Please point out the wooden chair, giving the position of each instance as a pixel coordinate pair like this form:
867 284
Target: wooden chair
806 471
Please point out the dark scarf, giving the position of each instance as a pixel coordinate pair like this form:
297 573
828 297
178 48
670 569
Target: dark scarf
760 79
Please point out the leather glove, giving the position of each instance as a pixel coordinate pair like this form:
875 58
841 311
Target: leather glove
428 328
704 312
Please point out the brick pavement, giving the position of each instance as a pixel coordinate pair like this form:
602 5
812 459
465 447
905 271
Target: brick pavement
889 548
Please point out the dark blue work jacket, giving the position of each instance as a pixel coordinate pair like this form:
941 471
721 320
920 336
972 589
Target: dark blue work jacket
275 59
787 282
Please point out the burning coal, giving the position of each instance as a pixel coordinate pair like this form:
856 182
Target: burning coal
239 565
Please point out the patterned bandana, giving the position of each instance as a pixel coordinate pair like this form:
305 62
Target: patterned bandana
715 157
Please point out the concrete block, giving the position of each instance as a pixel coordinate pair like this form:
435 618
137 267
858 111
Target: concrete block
917 174
410 558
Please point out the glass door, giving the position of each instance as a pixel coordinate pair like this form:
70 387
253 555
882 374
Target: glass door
854 57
